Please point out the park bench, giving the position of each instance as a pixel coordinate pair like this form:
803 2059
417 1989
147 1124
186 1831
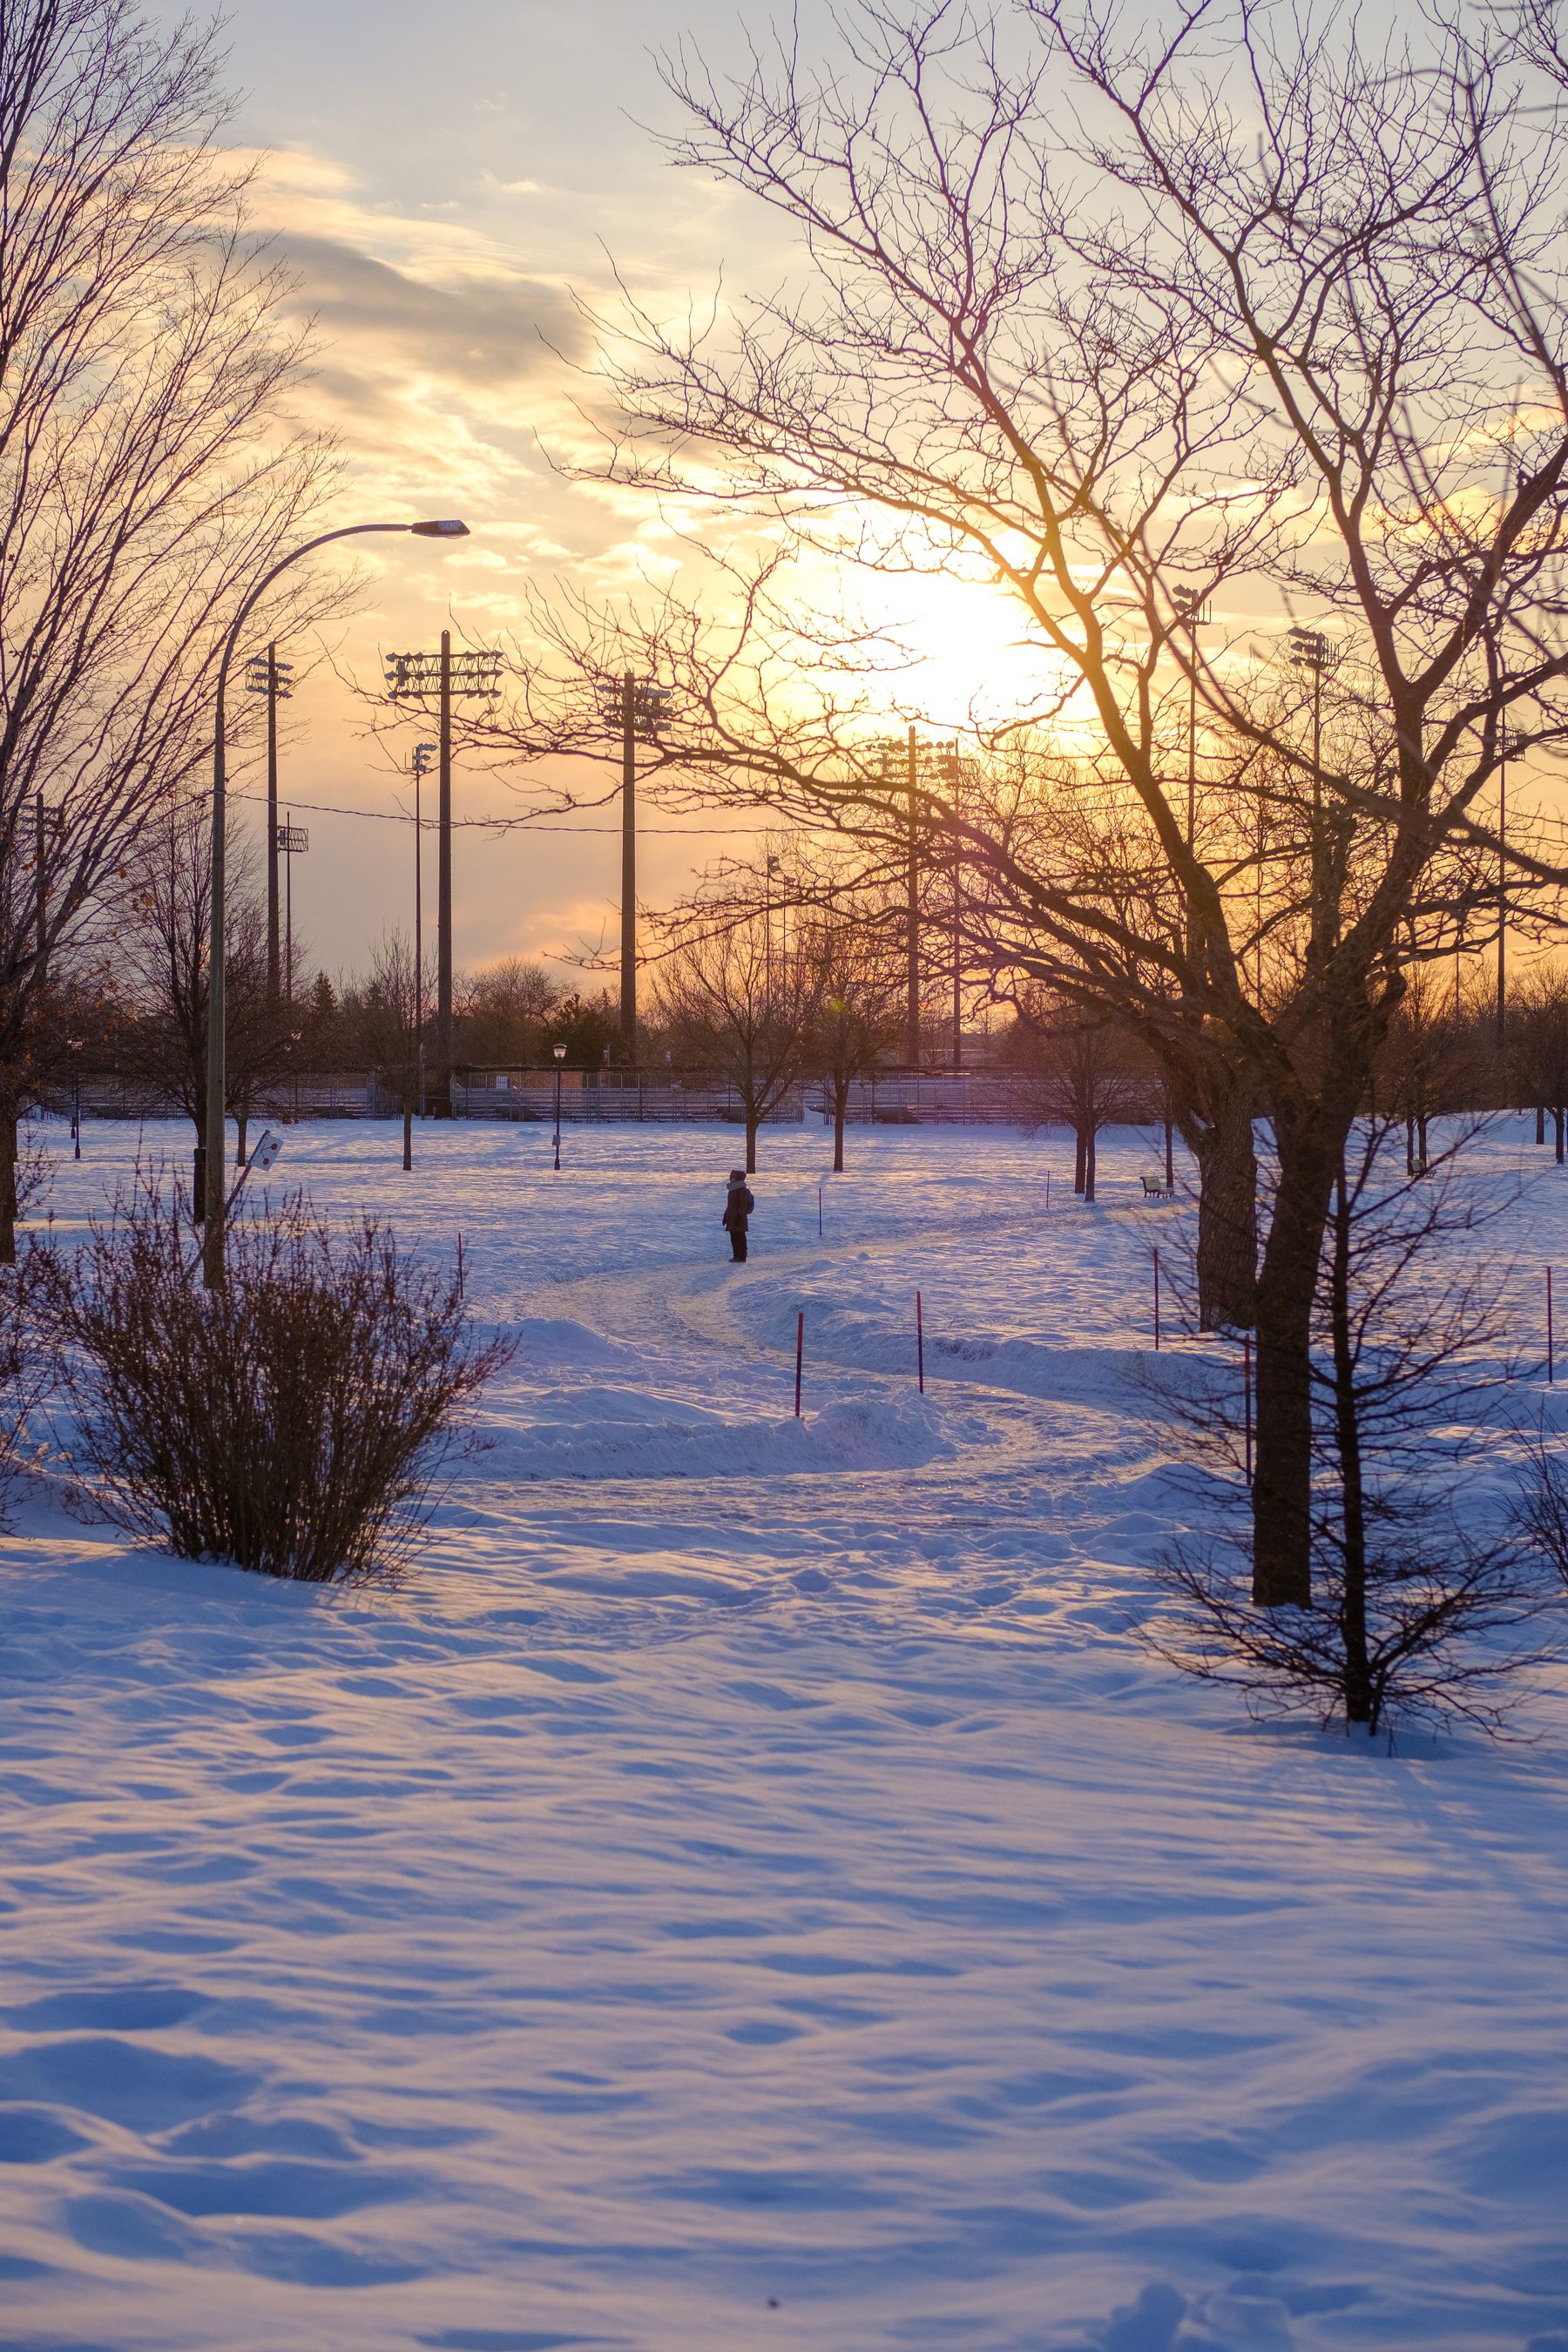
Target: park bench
1156 1188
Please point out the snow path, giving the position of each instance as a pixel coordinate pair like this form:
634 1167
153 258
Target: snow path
749 1889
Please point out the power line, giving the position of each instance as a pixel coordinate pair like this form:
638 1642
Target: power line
504 823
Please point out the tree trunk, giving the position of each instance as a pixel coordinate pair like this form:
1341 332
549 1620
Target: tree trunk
408 1128
1078 1173
1424 1160
1409 1144
1170 1155
1088 1144
1540 1122
242 1125
751 1144
1283 1479
1360 1706
1227 1217
840 1110
1557 1129
9 1184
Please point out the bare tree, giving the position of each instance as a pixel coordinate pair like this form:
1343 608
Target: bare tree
164 911
384 1012
1425 1604
1083 1073
148 471
740 1013
858 983
504 1011
1538 1047
1127 317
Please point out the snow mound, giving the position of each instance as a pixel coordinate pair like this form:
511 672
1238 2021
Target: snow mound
624 1433
553 1339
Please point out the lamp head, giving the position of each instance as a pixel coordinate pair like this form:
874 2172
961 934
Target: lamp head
559 1052
451 530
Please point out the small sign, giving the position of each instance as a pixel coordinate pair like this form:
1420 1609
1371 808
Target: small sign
293 840
266 1151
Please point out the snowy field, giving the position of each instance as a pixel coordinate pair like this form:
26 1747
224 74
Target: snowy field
750 1889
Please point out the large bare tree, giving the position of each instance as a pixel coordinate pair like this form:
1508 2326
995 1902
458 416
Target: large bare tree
149 473
1141 314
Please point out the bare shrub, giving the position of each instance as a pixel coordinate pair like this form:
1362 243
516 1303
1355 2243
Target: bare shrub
295 1422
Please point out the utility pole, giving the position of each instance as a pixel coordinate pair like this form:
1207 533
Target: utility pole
274 679
636 707
444 880
629 868
952 773
441 676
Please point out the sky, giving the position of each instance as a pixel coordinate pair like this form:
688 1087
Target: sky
449 190
447 187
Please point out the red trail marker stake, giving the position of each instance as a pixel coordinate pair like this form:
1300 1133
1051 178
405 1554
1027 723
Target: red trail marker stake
1156 1302
1246 1398
920 1343
1550 1352
799 1355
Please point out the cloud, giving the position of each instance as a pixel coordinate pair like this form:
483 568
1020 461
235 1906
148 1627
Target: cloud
488 335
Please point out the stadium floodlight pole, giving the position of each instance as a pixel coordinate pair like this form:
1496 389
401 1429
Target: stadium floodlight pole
422 754
443 675
264 674
213 1203
912 1008
1311 651
636 705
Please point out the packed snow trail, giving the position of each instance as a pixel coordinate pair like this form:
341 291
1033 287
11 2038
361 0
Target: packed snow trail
750 1889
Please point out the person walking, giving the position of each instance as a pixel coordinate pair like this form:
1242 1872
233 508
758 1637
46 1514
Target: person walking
738 1208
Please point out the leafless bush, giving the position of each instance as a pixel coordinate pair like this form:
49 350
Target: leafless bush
295 1422
27 1375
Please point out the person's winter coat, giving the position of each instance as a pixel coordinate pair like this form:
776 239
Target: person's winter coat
739 1206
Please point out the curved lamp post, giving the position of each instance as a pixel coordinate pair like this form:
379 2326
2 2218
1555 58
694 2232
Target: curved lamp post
214 1199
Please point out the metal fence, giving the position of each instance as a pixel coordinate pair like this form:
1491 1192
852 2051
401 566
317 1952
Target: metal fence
981 1100
668 1106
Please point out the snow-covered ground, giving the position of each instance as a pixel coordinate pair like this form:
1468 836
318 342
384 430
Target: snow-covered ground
750 1889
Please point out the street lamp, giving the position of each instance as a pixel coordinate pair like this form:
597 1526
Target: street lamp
75 1046
559 1052
213 1237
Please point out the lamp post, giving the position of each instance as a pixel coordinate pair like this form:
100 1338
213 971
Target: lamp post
213 1237
75 1046
559 1052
